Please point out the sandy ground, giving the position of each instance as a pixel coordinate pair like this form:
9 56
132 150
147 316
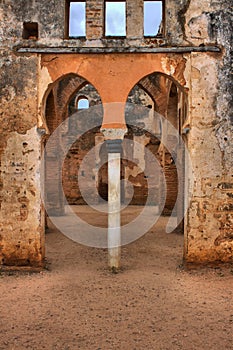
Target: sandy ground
153 303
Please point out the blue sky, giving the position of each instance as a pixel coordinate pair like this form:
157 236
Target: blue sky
77 19
116 18
83 103
151 18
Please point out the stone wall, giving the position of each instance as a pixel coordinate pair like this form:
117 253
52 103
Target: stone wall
210 215
186 22
27 78
21 232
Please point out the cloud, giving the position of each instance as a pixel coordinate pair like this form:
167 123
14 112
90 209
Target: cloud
115 19
77 19
152 17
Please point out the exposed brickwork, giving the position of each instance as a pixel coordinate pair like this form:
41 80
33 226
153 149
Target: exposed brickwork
204 109
95 19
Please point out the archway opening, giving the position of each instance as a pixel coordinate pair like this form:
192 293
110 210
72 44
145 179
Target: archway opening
159 129
67 109
155 113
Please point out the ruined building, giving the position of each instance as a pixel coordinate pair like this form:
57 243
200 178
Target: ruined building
179 69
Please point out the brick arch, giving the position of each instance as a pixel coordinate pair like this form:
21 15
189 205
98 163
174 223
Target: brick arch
172 104
159 87
56 100
156 91
71 89
71 93
50 113
50 89
159 90
62 90
71 85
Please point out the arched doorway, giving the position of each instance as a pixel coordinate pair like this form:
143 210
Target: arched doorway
155 99
67 101
158 128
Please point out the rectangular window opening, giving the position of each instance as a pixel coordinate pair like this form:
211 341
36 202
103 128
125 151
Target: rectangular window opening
115 18
76 19
153 18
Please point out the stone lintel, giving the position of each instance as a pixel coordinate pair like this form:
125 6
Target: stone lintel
120 49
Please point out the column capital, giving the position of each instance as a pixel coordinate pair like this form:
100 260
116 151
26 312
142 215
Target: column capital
114 133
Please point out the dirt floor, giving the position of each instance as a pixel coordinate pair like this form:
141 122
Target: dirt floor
153 303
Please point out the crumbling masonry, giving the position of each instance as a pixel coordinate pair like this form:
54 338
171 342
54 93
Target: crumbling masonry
183 72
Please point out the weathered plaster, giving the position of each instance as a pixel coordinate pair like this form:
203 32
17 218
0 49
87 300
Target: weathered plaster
44 81
22 239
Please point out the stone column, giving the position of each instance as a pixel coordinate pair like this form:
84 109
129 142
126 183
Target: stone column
114 203
114 148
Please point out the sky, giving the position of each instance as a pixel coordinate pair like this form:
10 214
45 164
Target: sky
83 103
115 18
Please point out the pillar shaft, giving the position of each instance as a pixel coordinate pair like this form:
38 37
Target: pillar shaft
114 139
114 218
114 203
